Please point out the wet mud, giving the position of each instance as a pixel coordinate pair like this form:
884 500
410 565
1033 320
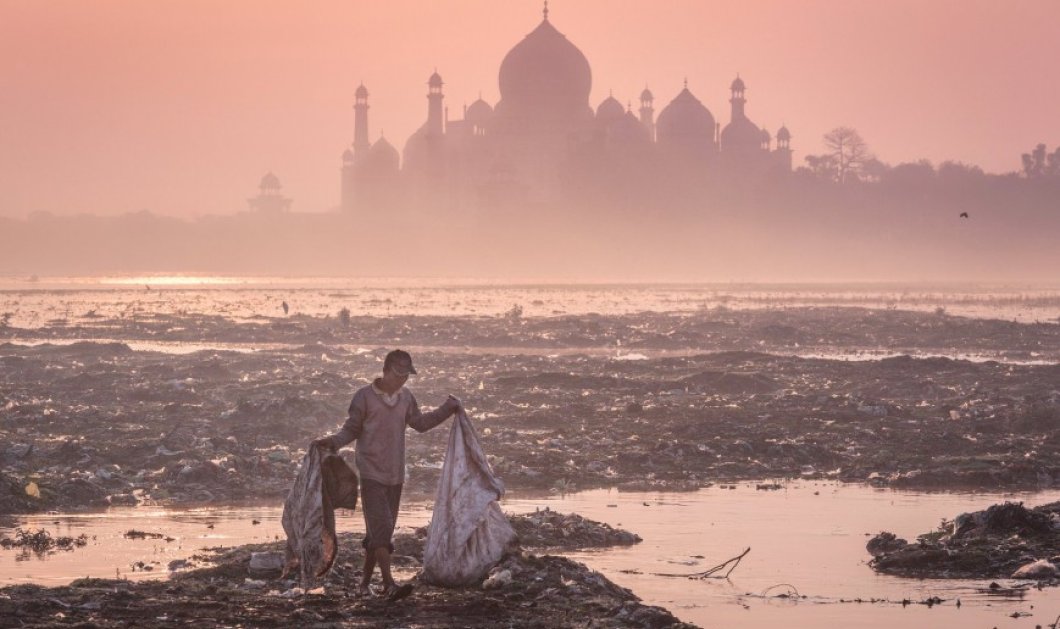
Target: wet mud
525 590
1005 541
631 401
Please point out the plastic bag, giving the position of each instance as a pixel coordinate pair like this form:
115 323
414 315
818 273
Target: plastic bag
324 483
468 533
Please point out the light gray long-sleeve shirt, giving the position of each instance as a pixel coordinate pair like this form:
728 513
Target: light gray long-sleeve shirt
377 422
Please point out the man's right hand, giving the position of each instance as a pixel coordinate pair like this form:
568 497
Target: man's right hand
324 442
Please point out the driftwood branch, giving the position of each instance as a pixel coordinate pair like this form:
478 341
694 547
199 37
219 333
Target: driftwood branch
713 572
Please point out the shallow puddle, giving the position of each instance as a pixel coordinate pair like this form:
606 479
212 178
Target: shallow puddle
807 537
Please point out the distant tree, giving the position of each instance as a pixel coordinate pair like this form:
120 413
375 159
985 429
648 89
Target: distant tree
822 166
959 170
959 175
1034 162
874 171
1040 163
845 158
848 151
917 175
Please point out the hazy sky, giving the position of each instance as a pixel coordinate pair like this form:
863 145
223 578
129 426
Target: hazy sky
180 107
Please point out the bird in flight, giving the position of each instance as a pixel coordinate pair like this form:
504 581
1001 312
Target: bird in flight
964 214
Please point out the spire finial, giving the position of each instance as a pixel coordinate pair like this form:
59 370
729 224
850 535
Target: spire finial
686 82
546 10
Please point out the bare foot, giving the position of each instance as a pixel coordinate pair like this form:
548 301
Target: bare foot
361 590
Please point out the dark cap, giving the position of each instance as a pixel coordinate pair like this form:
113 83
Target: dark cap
397 360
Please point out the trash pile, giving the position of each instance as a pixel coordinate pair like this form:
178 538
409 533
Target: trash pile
644 401
1004 541
566 531
524 590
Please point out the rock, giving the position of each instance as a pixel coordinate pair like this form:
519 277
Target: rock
1041 569
199 472
884 543
179 564
125 500
19 451
265 564
497 580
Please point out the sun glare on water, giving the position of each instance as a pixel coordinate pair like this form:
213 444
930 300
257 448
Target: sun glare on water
173 280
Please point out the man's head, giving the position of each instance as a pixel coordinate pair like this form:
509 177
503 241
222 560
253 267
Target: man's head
397 367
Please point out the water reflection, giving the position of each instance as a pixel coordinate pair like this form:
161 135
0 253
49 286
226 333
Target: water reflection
808 537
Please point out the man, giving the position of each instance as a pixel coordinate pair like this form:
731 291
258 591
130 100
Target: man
378 416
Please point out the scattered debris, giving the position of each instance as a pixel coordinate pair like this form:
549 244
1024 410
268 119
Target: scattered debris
1004 541
525 590
712 573
41 541
709 403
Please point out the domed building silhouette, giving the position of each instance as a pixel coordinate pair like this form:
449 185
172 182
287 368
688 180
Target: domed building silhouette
270 199
543 138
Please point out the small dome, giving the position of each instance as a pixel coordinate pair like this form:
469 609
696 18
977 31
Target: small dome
738 84
422 150
479 111
435 80
270 182
383 157
629 132
647 95
685 121
783 134
741 135
610 110
347 155
765 136
362 91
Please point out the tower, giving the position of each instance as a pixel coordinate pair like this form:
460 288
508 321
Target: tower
647 112
348 180
360 123
783 151
435 125
738 101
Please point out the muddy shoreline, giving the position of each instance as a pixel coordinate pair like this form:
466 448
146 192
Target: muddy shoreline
92 424
539 590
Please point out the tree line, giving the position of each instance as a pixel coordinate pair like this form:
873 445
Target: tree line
847 159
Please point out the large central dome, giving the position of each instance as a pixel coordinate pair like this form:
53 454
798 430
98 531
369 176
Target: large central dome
545 77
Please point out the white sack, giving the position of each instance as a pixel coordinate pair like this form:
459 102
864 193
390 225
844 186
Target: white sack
468 534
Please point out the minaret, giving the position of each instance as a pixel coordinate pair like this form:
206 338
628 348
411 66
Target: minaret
737 99
647 112
348 181
435 124
784 148
360 123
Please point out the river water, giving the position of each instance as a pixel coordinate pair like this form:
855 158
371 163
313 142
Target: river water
808 537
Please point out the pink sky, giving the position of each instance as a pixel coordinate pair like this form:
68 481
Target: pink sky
180 107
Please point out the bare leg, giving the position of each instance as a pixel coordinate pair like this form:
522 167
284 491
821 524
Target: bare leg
367 570
382 557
